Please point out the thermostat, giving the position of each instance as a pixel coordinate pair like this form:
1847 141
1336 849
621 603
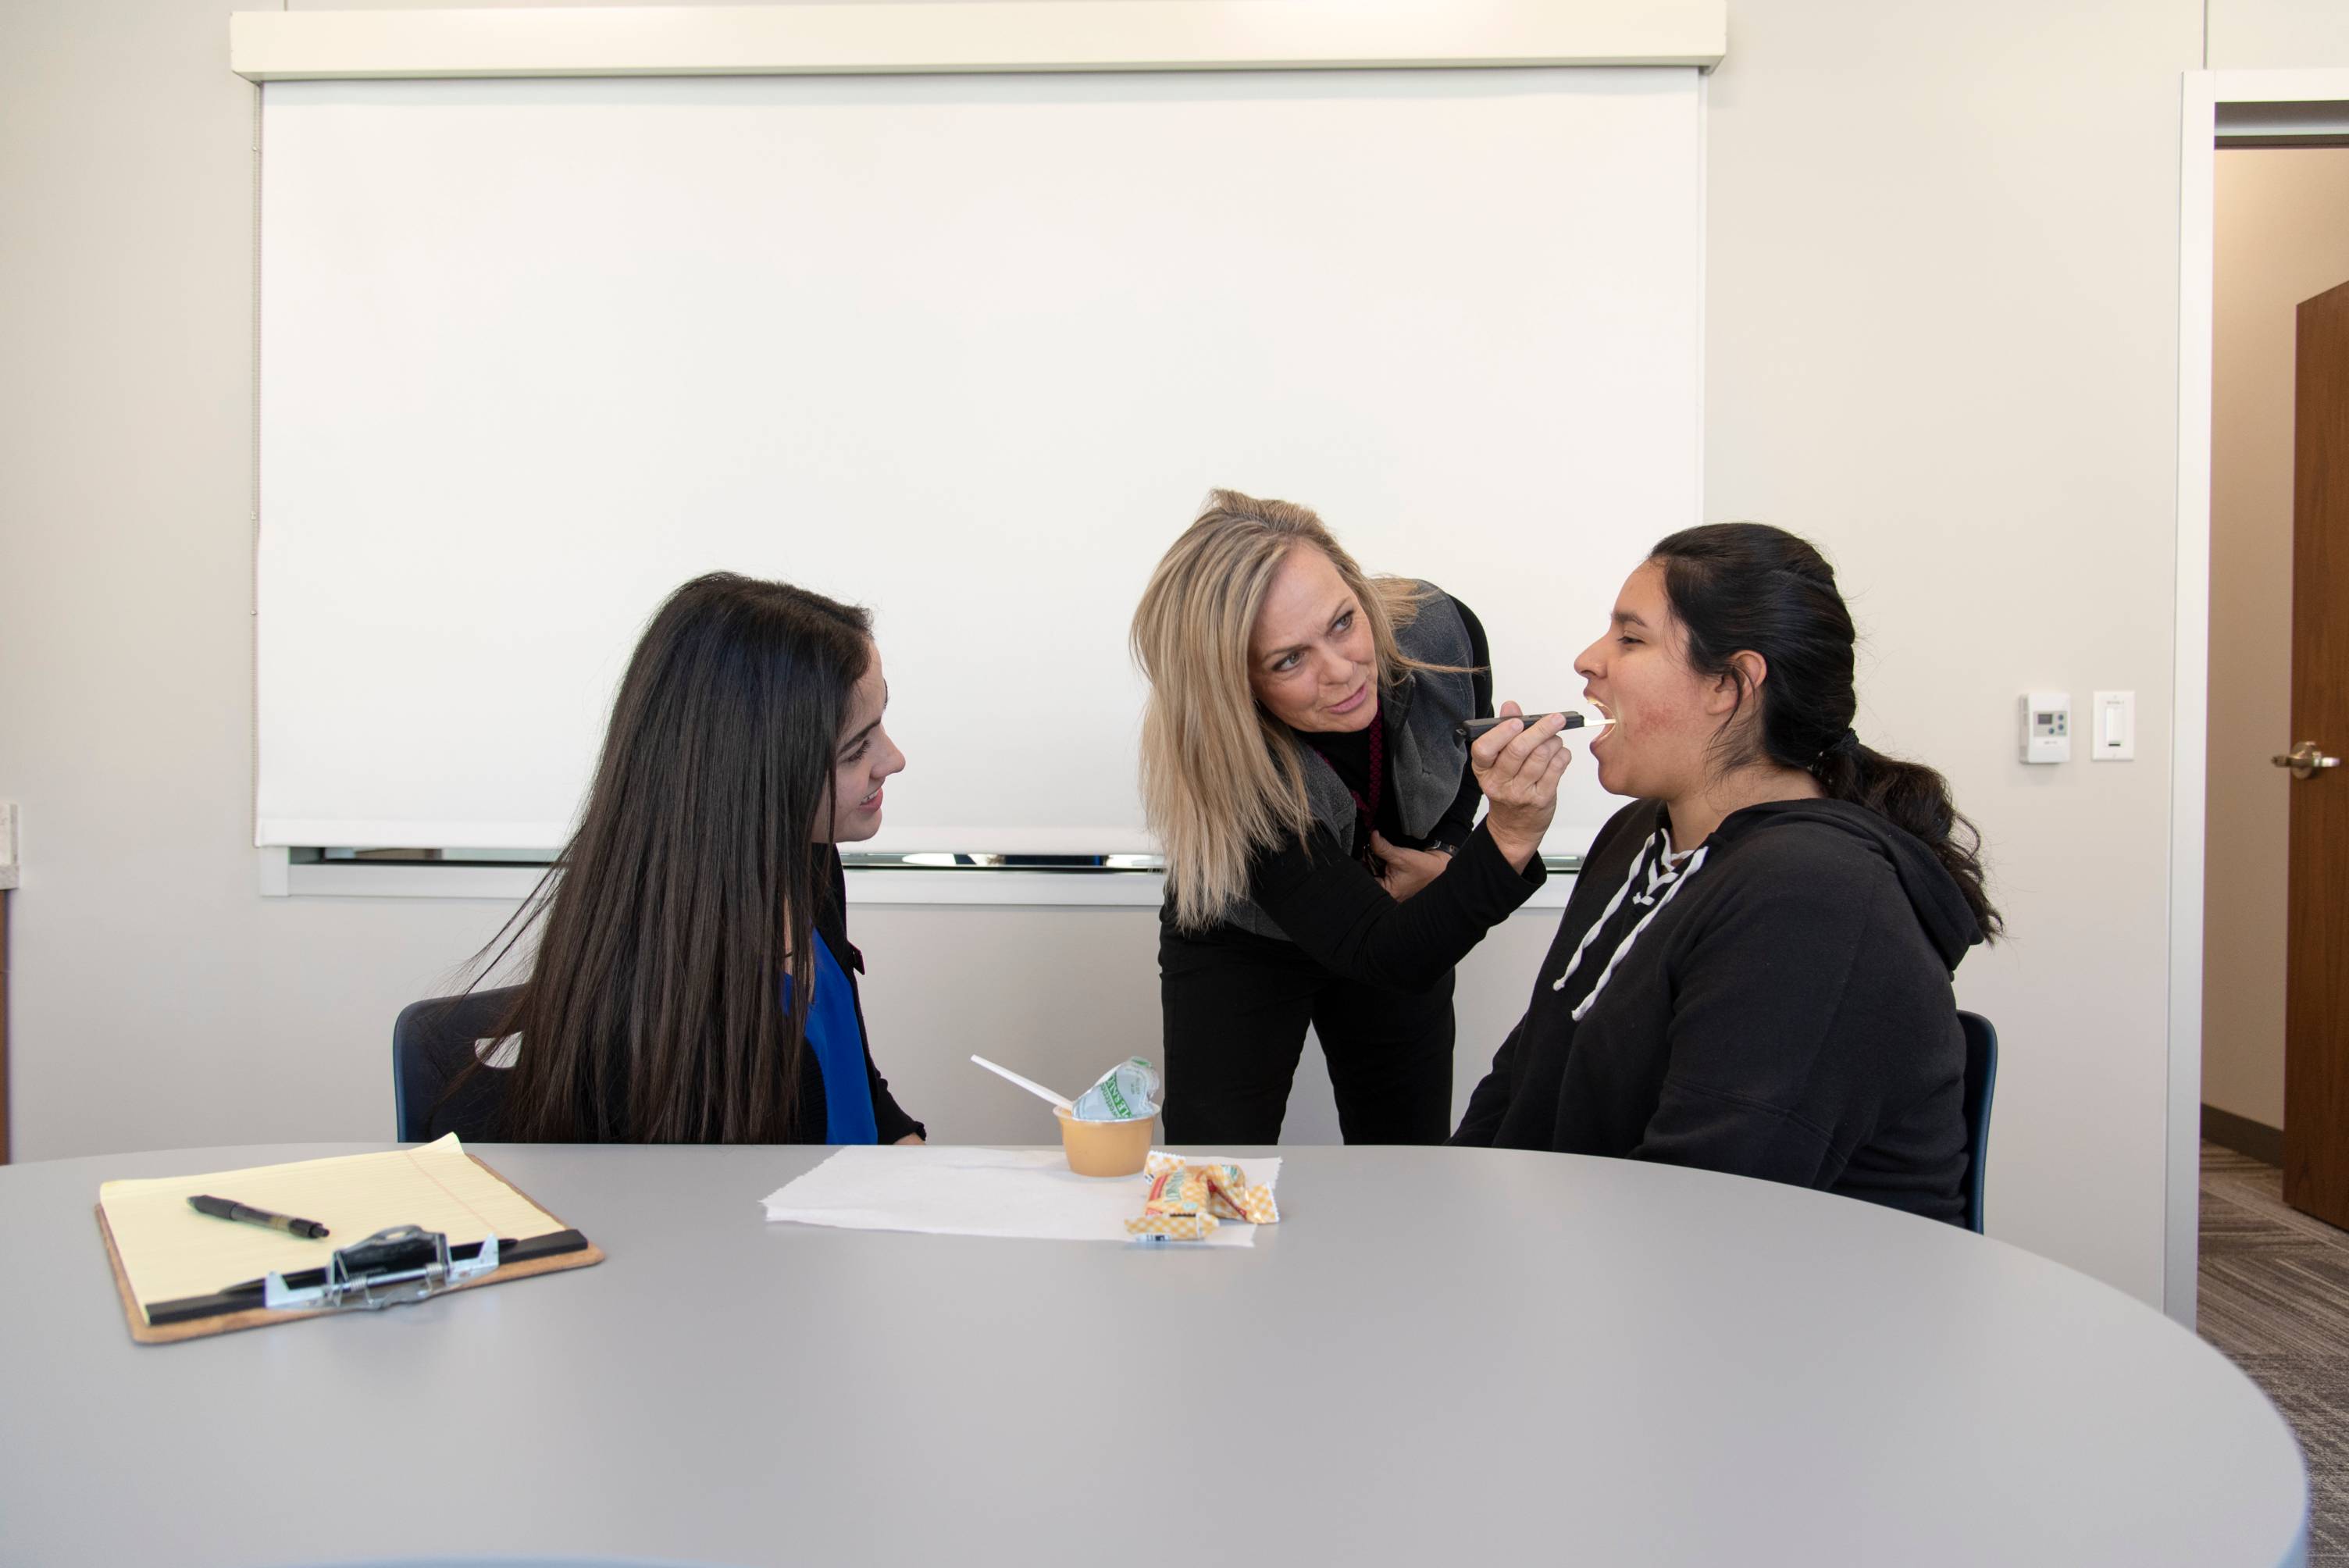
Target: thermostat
2046 726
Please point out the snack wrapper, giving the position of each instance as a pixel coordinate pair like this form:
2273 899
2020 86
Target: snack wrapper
1186 1201
1253 1204
1159 1229
1183 1190
1127 1092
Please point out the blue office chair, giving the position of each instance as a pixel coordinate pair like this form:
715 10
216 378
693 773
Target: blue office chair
1981 1077
431 1041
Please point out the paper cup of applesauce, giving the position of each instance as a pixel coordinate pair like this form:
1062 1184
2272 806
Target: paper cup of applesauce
1106 1148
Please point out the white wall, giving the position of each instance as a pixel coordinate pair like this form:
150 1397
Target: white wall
2278 34
2283 237
1942 339
1943 254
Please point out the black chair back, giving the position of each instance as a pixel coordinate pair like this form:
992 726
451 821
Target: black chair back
431 1041
1981 1078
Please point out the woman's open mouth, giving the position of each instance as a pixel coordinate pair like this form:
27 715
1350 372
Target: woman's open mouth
871 801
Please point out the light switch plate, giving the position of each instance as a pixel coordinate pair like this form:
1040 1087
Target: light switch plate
7 843
2112 727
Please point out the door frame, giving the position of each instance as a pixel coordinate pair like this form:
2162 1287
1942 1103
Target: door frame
2219 108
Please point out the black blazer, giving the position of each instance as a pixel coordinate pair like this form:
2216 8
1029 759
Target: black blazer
475 1108
893 1123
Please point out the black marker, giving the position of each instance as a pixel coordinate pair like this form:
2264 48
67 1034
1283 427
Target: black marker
230 1208
1474 729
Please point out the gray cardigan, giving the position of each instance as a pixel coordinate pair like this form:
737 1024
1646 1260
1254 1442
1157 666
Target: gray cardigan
1425 757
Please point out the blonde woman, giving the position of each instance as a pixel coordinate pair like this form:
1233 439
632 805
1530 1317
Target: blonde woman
1317 811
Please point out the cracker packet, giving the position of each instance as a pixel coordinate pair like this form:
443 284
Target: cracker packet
1186 1201
1183 1190
1229 1196
1157 1230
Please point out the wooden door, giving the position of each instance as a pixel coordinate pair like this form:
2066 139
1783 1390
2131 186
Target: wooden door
2316 1002
4 1027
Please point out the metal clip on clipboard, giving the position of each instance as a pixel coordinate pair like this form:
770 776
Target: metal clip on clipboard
390 1268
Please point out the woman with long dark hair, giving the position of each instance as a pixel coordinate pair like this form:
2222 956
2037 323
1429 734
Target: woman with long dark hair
702 895
1753 974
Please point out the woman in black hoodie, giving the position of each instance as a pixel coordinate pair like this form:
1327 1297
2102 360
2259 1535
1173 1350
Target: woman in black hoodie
1753 974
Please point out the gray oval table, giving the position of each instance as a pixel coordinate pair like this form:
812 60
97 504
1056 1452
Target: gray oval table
1440 1356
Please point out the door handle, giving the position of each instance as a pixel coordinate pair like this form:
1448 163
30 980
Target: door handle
2305 761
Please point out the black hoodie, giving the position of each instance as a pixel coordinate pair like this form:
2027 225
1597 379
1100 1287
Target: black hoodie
1775 1003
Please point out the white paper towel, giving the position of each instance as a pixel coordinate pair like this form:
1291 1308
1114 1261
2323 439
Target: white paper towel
945 1190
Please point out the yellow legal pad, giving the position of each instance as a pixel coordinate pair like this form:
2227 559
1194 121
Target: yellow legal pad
164 1251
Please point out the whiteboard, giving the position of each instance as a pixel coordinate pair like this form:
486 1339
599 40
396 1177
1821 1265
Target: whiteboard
967 350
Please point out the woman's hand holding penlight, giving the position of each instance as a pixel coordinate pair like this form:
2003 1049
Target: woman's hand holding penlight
1519 770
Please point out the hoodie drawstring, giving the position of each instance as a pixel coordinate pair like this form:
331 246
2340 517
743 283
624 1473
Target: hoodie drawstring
1608 913
1679 883
1659 840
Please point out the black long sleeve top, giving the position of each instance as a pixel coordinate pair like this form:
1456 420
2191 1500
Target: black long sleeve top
1337 912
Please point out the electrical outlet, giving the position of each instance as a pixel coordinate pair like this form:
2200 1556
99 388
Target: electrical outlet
7 843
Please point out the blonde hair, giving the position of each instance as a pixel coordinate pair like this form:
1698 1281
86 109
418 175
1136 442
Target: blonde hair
1220 776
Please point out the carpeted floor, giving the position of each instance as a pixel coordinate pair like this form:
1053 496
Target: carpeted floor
2275 1296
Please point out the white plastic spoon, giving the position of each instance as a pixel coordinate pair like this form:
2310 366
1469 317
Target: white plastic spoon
1030 1084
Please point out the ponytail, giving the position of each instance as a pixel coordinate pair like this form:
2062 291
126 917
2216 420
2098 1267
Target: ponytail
1748 587
1914 797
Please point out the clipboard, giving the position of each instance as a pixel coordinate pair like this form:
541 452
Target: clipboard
244 1305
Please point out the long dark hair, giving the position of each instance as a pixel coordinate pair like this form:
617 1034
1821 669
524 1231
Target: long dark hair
1747 586
653 1013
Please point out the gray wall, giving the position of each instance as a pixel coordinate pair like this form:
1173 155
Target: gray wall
1942 339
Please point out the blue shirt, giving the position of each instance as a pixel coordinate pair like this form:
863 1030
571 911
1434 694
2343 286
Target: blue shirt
838 1042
